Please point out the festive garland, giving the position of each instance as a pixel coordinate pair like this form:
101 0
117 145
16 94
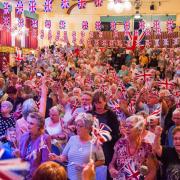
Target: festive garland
9 49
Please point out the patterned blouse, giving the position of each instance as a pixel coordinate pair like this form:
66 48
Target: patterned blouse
129 165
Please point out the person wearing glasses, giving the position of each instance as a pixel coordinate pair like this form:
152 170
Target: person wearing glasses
77 151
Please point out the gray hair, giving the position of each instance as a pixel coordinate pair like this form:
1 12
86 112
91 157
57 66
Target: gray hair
29 106
9 104
86 118
138 120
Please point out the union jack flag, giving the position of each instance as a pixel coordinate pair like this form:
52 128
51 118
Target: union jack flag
65 36
156 24
115 106
6 21
74 34
147 43
167 84
6 7
169 30
48 6
156 42
65 4
81 4
19 7
81 41
113 25
104 43
42 34
115 34
100 132
131 172
62 24
96 42
98 25
141 25
148 32
57 35
175 41
170 23
165 42
20 22
82 34
48 24
49 35
32 6
127 25
146 76
158 31
155 114
85 25
34 23
98 3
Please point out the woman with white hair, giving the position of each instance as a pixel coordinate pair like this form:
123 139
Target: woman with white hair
131 153
6 118
77 151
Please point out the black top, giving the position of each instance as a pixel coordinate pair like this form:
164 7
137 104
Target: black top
171 164
109 118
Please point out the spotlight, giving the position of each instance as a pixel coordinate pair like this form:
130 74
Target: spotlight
137 15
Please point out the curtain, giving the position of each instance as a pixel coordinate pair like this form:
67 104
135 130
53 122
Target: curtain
31 38
5 34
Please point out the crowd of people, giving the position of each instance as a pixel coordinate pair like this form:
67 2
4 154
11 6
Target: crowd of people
49 102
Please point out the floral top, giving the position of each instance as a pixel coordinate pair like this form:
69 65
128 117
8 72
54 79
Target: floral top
129 165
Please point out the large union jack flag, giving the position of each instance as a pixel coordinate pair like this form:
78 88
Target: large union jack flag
146 76
65 4
48 6
141 25
81 4
19 7
131 172
32 6
6 8
98 3
167 84
34 23
62 24
156 24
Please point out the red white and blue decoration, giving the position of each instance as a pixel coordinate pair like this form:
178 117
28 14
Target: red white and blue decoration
126 27
98 3
65 4
167 84
62 24
65 36
141 25
100 34
82 34
170 24
6 21
104 43
157 27
6 7
74 37
115 34
42 34
130 170
113 26
81 4
85 25
34 23
48 6
48 24
19 7
98 25
148 32
147 43
100 132
175 41
32 6
96 42
165 42
58 35
156 43
49 35
20 22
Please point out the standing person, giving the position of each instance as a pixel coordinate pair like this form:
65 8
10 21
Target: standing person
169 156
109 118
77 151
131 153
35 145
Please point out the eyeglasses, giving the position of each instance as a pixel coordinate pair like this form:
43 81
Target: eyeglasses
128 126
